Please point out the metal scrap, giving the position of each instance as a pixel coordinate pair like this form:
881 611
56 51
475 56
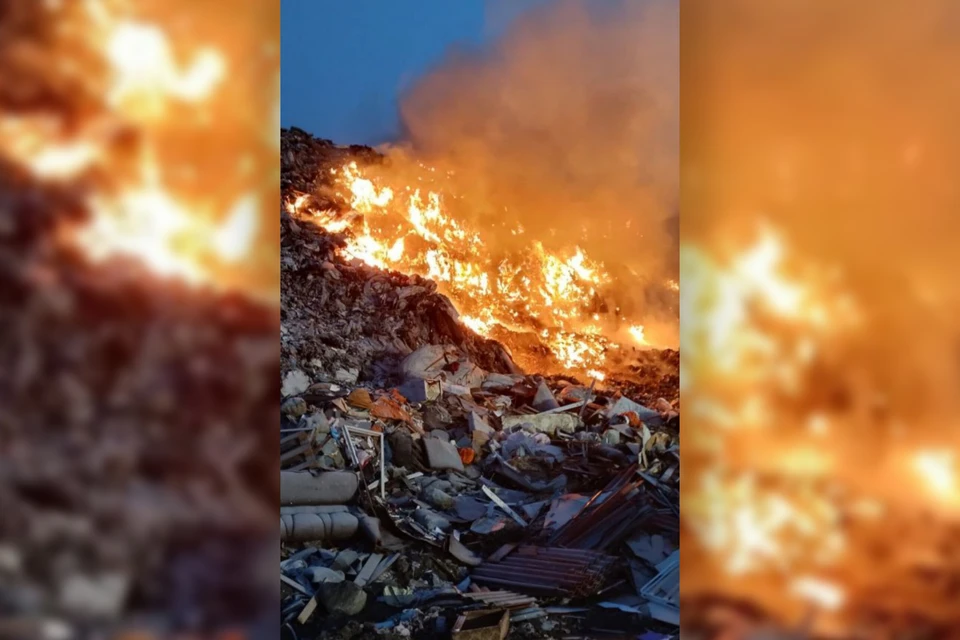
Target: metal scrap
548 571
503 505
663 591
602 523
500 598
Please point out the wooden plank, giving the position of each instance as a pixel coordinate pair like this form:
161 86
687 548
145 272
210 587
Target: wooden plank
368 568
296 585
502 552
307 610
293 453
383 566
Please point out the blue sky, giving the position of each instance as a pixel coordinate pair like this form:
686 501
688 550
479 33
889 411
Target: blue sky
343 64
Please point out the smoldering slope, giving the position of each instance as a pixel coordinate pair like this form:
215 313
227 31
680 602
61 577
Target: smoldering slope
568 126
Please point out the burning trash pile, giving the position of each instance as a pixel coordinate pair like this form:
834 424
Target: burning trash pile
432 488
557 310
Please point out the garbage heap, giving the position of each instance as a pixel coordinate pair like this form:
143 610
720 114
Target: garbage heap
429 488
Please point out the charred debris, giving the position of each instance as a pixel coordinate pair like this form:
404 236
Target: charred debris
430 488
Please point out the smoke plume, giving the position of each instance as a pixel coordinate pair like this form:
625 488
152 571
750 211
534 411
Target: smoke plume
837 125
568 125
833 124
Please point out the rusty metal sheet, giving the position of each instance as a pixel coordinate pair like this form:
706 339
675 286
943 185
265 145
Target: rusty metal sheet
548 571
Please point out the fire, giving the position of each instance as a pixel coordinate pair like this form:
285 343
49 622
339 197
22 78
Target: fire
764 499
938 471
34 143
544 292
145 222
823 593
753 525
637 332
751 322
146 76
365 195
477 325
740 319
136 208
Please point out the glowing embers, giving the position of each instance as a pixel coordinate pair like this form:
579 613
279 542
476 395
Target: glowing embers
937 469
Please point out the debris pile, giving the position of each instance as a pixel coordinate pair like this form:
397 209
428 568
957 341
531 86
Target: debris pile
429 488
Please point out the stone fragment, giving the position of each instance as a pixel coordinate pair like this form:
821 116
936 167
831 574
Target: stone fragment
294 407
544 400
347 375
295 382
345 559
345 598
102 596
546 422
442 455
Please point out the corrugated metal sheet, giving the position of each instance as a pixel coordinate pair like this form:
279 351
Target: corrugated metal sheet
663 591
548 571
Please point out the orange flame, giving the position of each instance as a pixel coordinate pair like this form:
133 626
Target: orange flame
769 496
137 212
544 292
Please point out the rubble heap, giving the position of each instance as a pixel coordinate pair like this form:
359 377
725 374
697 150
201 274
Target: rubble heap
429 487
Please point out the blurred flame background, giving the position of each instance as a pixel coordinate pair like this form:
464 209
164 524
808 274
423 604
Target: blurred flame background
139 277
165 115
819 361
